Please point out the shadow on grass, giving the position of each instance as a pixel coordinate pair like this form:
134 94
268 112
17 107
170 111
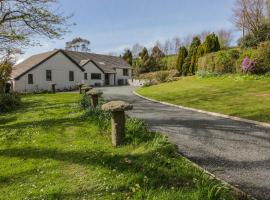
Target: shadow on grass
155 166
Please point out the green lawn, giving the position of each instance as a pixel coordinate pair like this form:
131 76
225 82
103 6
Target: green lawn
49 149
236 95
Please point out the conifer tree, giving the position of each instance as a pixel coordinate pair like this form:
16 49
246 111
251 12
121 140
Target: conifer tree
182 54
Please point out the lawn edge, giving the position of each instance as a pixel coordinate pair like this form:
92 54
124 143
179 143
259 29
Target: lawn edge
257 123
235 189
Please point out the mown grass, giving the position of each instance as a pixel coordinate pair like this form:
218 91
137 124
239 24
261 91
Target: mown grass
52 149
236 95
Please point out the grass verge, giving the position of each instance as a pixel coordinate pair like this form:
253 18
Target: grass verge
241 96
53 149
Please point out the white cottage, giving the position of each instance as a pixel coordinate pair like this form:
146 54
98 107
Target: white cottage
67 69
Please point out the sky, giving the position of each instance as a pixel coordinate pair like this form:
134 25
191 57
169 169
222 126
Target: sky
113 25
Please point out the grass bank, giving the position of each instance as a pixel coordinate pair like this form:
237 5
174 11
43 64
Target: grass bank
52 149
242 96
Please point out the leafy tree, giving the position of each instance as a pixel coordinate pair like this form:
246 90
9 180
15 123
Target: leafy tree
78 44
182 54
251 40
5 73
20 20
189 66
128 56
211 43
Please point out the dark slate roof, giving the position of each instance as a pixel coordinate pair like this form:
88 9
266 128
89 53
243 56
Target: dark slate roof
105 63
29 63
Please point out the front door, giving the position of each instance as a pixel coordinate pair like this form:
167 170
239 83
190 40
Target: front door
107 79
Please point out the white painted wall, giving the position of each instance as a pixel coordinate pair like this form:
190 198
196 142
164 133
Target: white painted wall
120 75
60 66
91 68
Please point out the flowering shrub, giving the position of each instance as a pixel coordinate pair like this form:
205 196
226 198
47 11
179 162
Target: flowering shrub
248 65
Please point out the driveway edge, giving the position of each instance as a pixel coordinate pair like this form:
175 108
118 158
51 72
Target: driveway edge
206 112
238 192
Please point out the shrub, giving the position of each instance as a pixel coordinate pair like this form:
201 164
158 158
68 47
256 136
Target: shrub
248 65
246 53
262 58
9 101
162 76
85 102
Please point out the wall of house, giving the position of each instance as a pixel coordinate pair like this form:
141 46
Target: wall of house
111 77
120 75
60 66
91 68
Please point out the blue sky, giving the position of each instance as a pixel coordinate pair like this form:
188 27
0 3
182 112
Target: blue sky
113 25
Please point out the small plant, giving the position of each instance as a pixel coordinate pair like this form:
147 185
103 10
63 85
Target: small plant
85 102
9 101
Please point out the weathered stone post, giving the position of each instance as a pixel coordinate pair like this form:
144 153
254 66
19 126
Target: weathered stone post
95 94
53 87
86 88
117 108
80 87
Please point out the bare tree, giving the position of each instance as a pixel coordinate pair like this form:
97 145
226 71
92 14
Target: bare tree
225 38
204 34
136 49
22 19
167 46
158 44
176 43
249 15
187 40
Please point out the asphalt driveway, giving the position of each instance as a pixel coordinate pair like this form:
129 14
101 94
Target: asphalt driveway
234 151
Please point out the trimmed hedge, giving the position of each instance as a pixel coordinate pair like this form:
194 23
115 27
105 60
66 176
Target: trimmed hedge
220 62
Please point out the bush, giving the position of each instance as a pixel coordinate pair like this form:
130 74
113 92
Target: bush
262 58
9 101
162 76
85 102
248 53
220 62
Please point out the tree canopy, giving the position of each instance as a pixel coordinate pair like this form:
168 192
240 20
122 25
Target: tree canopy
78 44
128 56
20 20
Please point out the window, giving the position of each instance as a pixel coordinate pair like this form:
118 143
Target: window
30 79
48 75
125 72
71 75
96 76
85 76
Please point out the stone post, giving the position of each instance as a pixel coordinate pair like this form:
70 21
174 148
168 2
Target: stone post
53 88
94 94
118 108
80 87
85 89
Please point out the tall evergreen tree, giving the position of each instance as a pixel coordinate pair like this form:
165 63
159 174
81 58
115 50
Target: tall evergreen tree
211 43
190 61
182 54
128 56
